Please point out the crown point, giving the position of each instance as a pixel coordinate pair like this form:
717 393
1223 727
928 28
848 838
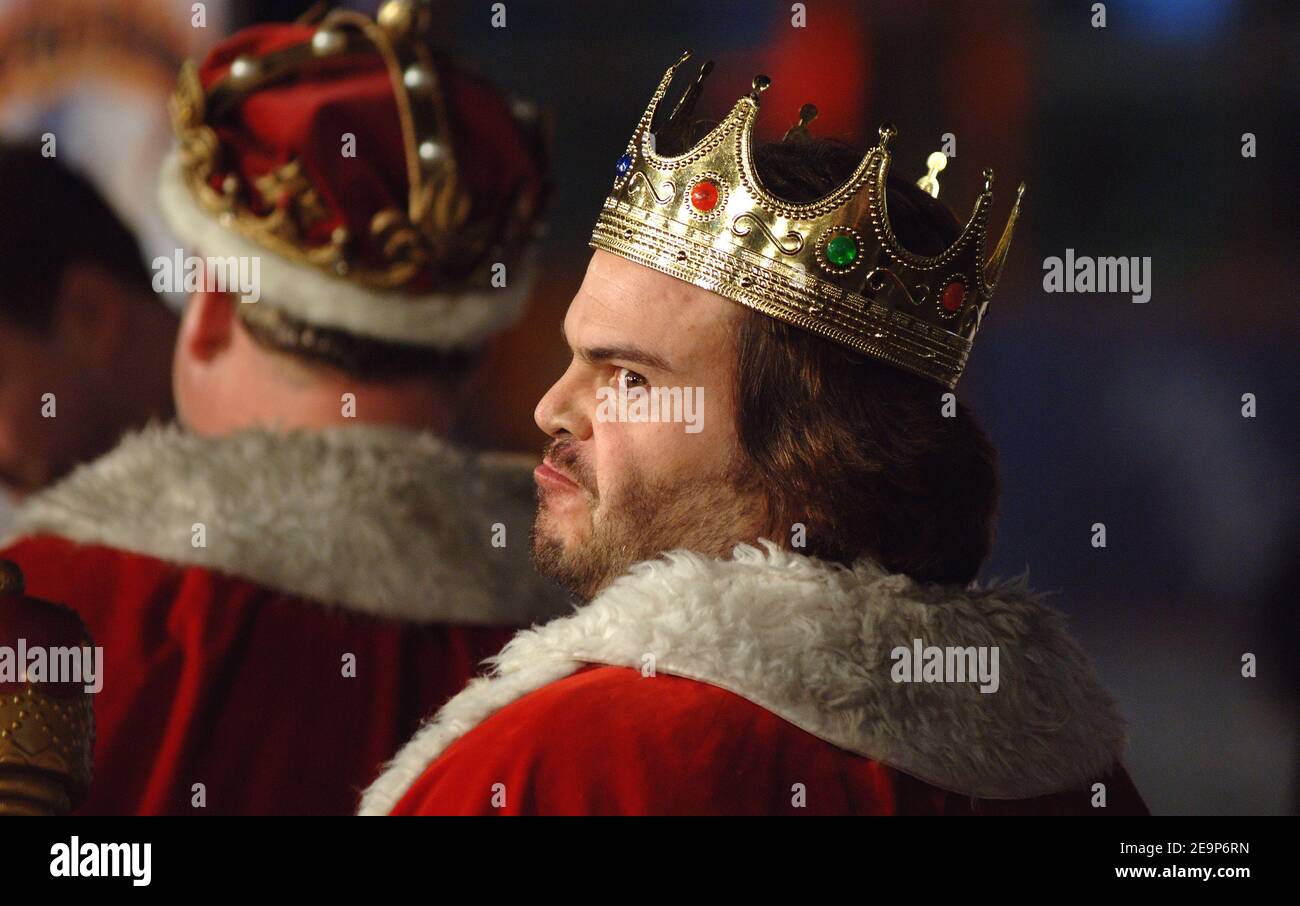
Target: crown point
887 132
930 181
396 18
988 180
686 55
1020 193
761 84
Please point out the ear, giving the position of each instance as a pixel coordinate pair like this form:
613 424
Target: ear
208 326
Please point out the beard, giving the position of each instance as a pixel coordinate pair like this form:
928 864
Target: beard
708 514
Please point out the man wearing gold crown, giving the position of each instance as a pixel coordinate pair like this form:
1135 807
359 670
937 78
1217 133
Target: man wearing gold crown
812 640
284 586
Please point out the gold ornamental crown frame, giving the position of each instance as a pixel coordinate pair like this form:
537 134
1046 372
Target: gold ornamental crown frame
832 265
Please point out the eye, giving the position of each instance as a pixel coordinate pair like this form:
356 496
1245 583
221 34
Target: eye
627 379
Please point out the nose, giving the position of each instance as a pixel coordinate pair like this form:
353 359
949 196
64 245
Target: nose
562 409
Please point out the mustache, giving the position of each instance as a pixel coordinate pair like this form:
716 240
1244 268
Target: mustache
563 455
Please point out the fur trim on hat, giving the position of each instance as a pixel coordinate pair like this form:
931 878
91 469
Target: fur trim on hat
442 321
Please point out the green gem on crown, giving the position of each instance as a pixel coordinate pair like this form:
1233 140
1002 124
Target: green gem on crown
842 251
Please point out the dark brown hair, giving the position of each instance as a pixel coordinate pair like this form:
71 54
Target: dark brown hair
855 449
52 217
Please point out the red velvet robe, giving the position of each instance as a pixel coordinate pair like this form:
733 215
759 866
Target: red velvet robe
212 677
216 680
696 687
607 741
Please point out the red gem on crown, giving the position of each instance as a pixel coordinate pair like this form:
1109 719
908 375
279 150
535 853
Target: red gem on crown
704 196
953 293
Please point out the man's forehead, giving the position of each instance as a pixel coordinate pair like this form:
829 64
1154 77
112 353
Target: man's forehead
620 300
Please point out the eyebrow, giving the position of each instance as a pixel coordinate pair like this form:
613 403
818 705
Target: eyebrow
624 353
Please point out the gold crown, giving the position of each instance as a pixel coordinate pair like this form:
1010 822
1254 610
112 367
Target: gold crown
832 266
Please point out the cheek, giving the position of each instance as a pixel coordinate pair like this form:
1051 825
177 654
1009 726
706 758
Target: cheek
618 455
650 454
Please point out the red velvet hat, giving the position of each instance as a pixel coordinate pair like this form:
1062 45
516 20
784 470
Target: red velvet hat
381 186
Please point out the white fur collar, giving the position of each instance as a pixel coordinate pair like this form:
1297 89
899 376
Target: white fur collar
811 642
380 520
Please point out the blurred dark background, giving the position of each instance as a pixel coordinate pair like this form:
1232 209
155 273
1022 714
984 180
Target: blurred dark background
1130 140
